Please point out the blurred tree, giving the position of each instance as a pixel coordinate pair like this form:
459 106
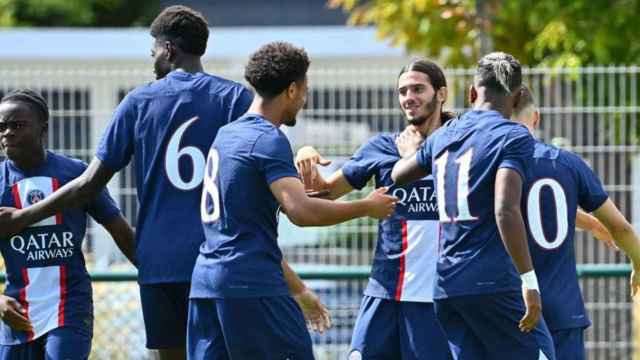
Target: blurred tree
538 32
70 13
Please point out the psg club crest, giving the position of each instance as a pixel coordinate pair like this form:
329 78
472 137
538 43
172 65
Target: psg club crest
34 196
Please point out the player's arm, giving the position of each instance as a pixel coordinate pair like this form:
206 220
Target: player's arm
123 235
624 236
307 160
313 309
13 314
305 211
73 194
407 170
508 194
588 222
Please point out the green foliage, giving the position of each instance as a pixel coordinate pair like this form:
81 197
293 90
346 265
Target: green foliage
71 13
538 32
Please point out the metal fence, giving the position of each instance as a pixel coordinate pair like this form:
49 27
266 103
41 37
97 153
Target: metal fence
593 111
119 330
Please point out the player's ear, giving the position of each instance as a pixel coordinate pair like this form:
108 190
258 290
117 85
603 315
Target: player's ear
170 50
516 98
292 90
536 118
473 94
441 94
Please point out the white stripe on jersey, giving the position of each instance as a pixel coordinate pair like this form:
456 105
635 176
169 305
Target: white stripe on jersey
28 191
44 296
420 260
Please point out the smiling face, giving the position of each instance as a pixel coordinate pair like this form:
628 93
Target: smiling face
21 130
417 97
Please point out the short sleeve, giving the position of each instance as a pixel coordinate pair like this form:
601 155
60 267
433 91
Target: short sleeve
518 151
103 208
116 146
423 156
362 165
240 103
274 156
591 193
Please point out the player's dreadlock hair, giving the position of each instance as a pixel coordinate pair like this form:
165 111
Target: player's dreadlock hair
274 67
31 98
184 26
436 78
499 72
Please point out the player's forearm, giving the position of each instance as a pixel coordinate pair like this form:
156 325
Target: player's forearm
627 239
584 220
123 236
514 236
407 170
321 212
295 284
74 194
338 186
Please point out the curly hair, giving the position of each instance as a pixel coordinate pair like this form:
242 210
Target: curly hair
31 98
499 72
274 67
184 26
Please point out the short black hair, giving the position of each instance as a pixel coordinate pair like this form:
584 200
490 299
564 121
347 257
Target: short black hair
429 68
274 67
499 72
31 98
184 26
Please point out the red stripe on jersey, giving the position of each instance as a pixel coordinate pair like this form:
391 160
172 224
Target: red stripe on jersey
54 186
16 196
63 295
23 299
403 255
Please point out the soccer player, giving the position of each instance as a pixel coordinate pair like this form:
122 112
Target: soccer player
47 310
479 162
560 181
240 306
167 126
396 318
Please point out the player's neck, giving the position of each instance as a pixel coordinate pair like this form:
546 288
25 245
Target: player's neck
485 104
190 65
270 110
432 123
30 162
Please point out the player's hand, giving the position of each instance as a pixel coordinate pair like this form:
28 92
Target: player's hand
314 311
10 223
382 205
13 314
306 160
601 233
634 282
409 141
533 304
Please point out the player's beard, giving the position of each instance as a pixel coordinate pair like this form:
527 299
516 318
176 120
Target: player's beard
291 122
430 109
161 68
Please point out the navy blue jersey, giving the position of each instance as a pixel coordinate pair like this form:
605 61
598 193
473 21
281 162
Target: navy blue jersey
240 257
168 126
559 182
45 267
404 263
464 156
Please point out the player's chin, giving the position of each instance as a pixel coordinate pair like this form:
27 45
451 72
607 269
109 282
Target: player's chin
291 122
417 120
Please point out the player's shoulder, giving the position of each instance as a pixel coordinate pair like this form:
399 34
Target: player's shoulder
66 164
383 142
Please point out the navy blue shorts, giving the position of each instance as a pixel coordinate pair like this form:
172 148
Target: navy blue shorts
569 344
394 330
65 342
266 328
165 308
485 327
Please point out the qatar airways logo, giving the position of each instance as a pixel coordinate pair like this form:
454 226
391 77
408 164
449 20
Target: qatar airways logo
44 246
418 197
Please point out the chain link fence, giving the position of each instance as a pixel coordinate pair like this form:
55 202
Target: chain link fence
592 111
